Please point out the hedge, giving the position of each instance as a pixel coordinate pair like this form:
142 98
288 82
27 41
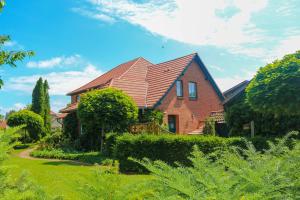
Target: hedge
168 148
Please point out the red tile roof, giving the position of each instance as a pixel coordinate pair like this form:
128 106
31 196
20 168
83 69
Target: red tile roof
69 108
104 79
161 76
145 82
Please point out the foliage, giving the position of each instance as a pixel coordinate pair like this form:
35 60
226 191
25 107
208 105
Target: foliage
275 88
168 148
86 157
70 126
41 102
110 186
232 174
239 113
209 126
47 110
34 123
38 98
109 144
10 57
150 115
21 188
107 109
53 140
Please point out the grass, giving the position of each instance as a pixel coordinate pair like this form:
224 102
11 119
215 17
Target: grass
61 178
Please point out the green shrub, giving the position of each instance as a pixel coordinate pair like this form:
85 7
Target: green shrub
56 139
168 148
109 144
235 175
70 126
34 124
86 157
209 126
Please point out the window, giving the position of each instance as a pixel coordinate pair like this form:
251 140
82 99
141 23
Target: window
77 98
192 90
179 90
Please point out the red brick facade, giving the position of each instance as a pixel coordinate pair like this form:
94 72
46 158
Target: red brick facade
190 114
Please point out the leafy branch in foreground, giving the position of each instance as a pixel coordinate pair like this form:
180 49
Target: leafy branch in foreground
232 174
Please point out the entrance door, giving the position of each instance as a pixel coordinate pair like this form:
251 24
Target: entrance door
172 123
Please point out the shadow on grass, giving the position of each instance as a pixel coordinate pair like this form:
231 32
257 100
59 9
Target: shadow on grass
71 163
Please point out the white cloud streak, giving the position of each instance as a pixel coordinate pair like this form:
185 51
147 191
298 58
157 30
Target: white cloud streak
60 82
55 62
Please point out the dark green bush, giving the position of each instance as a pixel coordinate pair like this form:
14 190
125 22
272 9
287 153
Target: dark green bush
34 124
70 128
168 148
109 144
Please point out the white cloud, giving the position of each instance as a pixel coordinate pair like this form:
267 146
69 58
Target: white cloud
57 105
16 107
56 61
60 82
192 21
93 15
289 45
217 68
228 82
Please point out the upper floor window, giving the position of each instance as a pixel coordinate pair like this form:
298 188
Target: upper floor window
179 88
192 90
77 98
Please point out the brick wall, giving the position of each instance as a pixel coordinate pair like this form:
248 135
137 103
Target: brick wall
191 113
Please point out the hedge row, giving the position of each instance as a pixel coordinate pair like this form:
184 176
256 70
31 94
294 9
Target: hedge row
87 157
168 148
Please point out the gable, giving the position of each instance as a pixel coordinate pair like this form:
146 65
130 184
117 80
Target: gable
177 76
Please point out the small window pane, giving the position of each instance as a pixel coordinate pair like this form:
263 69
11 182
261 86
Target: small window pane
179 91
192 90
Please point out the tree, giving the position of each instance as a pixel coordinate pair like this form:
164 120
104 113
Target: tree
34 123
38 98
276 87
10 57
108 109
46 115
240 113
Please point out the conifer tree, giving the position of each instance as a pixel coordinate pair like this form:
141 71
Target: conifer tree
38 98
47 118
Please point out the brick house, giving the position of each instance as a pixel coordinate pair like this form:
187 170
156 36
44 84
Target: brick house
181 88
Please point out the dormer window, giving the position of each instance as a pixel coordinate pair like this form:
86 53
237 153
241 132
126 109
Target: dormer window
179 88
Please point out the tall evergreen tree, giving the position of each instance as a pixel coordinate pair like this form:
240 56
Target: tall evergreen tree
38 98
47 117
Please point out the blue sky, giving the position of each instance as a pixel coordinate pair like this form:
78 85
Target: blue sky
77 40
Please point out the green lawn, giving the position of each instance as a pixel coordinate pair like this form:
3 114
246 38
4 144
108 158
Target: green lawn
60 178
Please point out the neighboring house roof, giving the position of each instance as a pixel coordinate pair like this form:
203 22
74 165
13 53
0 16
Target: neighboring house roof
145 82
235 91
3 124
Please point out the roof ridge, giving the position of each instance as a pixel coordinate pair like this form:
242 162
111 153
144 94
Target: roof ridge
137 59
195 53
